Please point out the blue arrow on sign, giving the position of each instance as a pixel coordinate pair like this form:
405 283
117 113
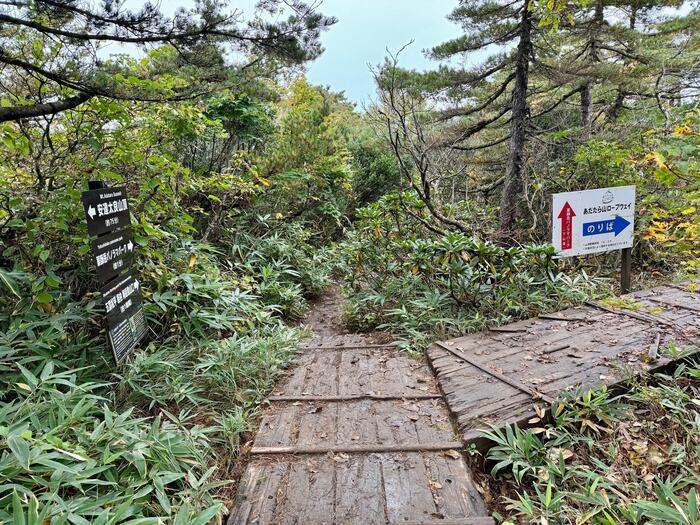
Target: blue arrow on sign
616 226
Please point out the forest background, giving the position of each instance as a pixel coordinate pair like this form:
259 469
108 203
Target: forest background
253 190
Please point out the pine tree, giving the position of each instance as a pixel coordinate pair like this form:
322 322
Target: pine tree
54 44
614 51
540 62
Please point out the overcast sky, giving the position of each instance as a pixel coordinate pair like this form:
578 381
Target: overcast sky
365 29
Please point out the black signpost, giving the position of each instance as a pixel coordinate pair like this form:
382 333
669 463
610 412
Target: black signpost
126 323
113 253
107 214
106 210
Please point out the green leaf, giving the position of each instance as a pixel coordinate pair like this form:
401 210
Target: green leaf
44 297
20 449
17 510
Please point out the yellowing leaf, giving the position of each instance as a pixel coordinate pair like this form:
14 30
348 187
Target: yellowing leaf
24 386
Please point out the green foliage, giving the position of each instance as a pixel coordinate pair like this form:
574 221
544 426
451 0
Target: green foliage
156 439
309 165
402 277
606 459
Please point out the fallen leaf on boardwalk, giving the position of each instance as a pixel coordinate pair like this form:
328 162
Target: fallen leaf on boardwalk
640 447
452 453
314 410
655 456
435 485
341 458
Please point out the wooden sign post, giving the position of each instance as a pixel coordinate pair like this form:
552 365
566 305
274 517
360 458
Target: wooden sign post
595 221
108 219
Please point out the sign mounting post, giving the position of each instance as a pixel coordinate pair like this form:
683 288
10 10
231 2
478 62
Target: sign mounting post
595 221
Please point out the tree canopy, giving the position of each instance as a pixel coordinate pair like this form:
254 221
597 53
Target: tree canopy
56 49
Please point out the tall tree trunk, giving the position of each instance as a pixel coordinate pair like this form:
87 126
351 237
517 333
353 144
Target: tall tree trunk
587 107
616 107
614 110
587 87
513 184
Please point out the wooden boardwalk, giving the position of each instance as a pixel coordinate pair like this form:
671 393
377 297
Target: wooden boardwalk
496 377
360 433
357 434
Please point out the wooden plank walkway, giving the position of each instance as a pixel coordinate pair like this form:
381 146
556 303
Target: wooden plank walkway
357 434
496 377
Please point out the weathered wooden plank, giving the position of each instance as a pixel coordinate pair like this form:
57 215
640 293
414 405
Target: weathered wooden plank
675 304
395 426
310 493
322 375
258 493
356 449
357 423
454 492
362 371
356 397
453 521
294 384
407 489
317 424
359 494
505 379
277 428
375 347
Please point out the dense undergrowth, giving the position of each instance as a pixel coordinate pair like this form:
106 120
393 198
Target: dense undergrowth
605 458
87 443
225 277
421 285
252 197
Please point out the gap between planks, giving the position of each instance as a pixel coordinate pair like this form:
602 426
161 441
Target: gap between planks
358 397
388 346
454 521
358 449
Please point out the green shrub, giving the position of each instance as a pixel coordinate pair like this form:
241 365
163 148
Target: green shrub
84 442
414 282
605 459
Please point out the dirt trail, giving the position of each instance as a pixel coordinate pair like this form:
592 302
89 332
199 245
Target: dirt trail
357 433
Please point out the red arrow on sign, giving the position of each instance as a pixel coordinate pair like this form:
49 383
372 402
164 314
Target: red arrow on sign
566 215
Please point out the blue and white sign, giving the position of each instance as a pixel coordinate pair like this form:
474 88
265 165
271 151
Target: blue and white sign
593 221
